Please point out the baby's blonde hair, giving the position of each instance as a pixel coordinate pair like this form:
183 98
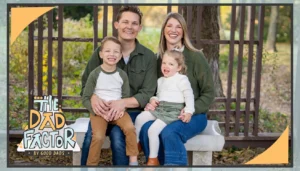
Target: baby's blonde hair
179 58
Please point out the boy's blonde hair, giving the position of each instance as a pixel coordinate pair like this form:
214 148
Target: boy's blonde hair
110 38
179 58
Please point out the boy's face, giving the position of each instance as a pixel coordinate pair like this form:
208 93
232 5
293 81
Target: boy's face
128 26
111 53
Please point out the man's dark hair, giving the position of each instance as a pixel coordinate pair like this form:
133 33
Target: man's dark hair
133 9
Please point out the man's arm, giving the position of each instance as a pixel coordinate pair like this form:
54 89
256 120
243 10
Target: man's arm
148 87
125 86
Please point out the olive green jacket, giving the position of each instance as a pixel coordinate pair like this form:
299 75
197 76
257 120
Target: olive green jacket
200 77
141 70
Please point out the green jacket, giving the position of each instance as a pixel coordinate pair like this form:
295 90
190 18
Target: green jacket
141 70
200 77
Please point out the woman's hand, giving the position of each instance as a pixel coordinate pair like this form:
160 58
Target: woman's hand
152 105
100 107
117 107
185 117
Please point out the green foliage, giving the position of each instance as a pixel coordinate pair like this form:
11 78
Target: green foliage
272 122
224 61
283 24
149 37
77 12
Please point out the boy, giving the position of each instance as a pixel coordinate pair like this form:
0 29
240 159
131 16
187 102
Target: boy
109 83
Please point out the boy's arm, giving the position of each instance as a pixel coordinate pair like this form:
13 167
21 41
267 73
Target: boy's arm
88 92
93 63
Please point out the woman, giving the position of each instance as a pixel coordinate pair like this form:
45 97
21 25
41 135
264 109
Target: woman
174 35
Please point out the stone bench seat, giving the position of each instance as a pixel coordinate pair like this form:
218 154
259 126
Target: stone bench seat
200 147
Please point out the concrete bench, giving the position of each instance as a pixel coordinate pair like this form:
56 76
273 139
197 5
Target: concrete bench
199 148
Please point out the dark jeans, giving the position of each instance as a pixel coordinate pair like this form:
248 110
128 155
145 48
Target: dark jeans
172 139
117 139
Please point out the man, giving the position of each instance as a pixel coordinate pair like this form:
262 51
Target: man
141 67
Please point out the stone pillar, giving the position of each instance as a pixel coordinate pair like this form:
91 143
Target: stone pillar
202 158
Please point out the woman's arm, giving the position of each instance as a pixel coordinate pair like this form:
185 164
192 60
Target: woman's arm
205 84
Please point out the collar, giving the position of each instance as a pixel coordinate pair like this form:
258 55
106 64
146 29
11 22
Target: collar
179 50
139 49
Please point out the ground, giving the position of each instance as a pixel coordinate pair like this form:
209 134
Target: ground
226 157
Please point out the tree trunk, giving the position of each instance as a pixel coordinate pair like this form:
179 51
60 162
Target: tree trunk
237 17
222 31
248 22
271 40
210 30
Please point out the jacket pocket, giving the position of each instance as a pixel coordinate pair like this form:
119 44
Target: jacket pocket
136 77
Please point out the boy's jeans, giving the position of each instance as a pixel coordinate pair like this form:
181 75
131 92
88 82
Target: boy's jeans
117 139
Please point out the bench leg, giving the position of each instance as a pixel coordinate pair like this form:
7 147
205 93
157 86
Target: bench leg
76 158
202 158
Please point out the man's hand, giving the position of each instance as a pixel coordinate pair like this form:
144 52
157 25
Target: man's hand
118 116
152 105
100 107
116 108
185 117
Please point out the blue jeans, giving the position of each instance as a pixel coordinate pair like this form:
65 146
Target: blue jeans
172 139
117 139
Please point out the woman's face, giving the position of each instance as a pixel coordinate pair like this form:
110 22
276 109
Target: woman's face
173 32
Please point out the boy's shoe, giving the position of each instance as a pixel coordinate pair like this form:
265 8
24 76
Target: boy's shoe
153 162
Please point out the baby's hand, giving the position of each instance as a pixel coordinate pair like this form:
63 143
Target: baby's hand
186 117
154 102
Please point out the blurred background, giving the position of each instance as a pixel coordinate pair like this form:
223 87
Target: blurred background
275 96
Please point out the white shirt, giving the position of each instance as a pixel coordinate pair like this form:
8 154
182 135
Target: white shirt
126 59
111 88
176 89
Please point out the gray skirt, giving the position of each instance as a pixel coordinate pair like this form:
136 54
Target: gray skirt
168 111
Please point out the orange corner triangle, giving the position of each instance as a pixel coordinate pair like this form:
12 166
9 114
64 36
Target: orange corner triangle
276 154
22 17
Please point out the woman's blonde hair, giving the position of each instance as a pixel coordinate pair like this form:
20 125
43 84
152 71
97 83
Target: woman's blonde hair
179 58
185 40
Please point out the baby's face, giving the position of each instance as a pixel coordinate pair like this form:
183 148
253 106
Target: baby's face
169 66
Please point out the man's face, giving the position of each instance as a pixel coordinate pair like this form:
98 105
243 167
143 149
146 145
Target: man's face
128 26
